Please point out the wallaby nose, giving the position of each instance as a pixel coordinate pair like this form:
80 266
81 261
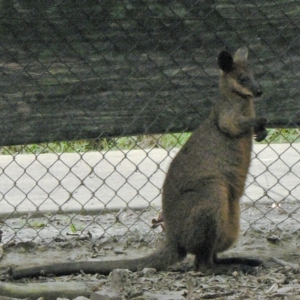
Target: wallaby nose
259 92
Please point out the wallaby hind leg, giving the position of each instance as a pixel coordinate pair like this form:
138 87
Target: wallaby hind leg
199 231
213 222
204 257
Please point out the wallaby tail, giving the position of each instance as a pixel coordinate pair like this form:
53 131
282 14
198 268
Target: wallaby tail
159 260
252 262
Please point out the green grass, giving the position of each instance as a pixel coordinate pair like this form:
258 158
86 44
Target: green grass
165 141
283 135
36 224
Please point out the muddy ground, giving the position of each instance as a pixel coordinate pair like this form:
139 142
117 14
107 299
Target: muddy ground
128 234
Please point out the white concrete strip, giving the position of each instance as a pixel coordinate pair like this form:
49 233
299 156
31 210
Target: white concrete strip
96 181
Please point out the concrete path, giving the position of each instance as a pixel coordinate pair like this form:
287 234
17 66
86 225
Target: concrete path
113 180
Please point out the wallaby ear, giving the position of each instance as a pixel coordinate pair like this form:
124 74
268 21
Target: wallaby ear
225 61
241 55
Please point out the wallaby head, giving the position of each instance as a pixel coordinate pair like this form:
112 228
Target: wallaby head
236 78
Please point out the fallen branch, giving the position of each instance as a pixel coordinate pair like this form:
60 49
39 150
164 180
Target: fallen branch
9 298
48 290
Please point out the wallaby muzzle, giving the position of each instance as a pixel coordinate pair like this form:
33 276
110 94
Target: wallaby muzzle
257 92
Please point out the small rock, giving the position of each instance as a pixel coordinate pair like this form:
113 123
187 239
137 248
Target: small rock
149 271
108 248
118 278
80 298
164 296
106 295
119 251
274 239
60 239
235 274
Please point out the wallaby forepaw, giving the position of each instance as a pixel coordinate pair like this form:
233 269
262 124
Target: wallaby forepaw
260 131
261 135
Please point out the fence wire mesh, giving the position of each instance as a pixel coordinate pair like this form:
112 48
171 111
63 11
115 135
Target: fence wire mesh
97 96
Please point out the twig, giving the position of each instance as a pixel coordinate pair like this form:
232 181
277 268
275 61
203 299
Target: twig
217 295
285 264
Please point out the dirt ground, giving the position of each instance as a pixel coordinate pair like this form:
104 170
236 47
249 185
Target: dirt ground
128 234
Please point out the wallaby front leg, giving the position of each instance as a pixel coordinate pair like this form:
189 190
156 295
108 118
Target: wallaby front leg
259 128
257 123
234 124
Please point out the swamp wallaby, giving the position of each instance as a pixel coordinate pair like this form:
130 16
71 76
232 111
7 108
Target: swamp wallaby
204 183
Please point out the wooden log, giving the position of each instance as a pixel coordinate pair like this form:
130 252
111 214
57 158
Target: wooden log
48 290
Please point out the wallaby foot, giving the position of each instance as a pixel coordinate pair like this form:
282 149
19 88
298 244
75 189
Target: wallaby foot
230 269
204 259
221 266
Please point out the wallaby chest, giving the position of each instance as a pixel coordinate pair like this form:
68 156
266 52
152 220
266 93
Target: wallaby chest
211 154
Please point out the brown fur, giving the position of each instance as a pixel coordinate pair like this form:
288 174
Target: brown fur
204 183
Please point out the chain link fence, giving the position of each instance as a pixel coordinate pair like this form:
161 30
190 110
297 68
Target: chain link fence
97 96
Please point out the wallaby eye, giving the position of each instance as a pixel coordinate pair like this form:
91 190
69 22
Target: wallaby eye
243 79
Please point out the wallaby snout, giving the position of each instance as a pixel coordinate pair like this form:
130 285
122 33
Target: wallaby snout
258 91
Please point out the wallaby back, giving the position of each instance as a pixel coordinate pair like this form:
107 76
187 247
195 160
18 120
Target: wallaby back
204 183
